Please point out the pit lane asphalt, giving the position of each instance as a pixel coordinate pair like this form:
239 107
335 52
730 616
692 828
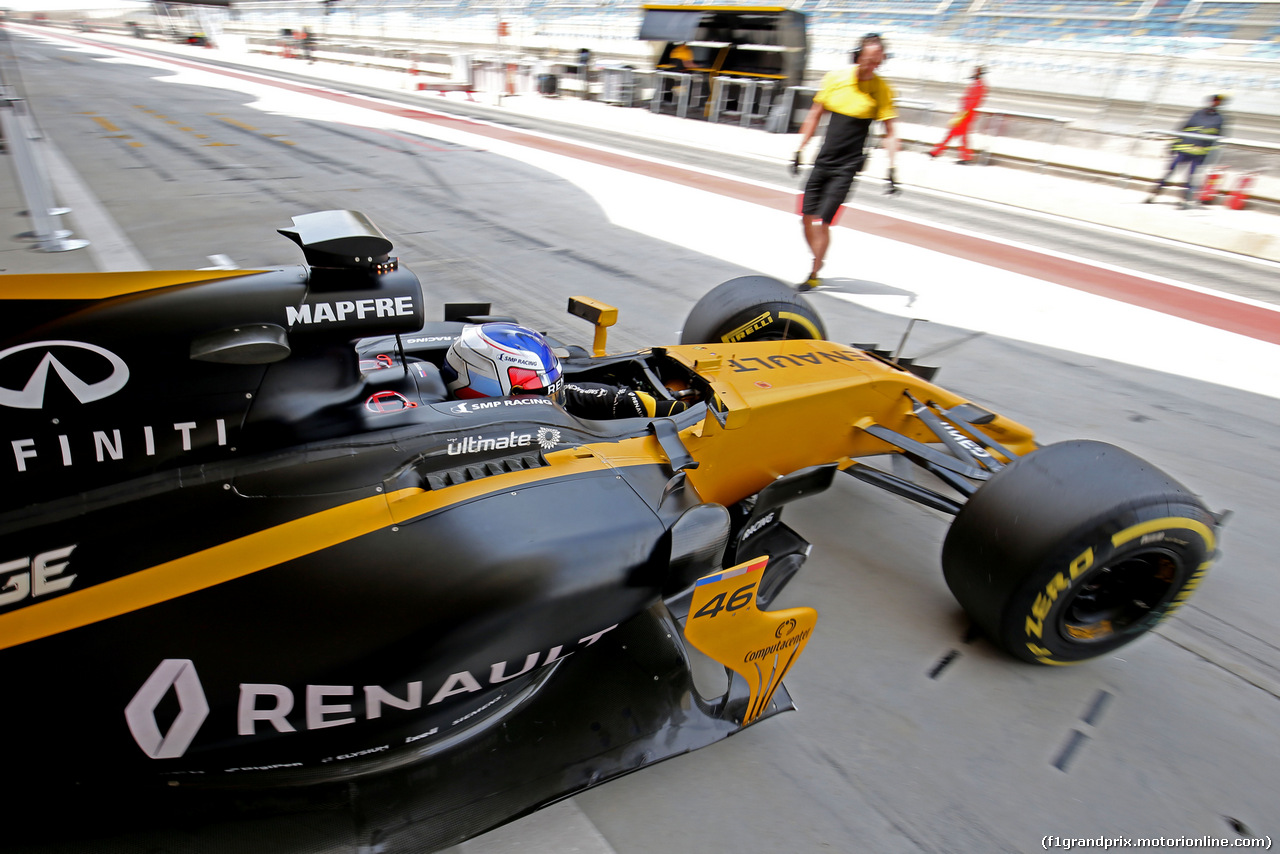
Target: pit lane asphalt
912 735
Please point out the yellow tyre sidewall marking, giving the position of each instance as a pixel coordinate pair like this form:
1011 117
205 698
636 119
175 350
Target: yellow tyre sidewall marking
1062 582
802 321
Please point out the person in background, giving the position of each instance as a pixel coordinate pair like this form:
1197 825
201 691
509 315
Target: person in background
855 97
584 72
1192 150
681 57
964 118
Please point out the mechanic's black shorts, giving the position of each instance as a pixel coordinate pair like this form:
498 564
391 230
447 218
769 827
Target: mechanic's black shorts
826 190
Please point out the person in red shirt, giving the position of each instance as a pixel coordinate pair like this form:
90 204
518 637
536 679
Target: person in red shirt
963 119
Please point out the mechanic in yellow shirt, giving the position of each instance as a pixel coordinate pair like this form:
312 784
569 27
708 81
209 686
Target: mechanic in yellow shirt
855 97
682 57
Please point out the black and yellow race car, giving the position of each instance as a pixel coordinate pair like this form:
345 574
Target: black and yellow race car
257 563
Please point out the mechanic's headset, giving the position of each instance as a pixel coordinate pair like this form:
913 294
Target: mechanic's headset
870 37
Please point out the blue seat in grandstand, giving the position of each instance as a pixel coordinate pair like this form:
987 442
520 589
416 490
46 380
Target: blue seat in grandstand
1113 24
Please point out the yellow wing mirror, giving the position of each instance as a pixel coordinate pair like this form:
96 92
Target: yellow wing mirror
601 315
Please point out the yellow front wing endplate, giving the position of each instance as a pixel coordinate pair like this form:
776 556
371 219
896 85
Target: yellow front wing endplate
759 645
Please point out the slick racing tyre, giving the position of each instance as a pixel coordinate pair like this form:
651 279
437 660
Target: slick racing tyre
1075 550
751 308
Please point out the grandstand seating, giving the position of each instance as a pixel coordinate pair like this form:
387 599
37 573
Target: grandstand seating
1268 48
1062 9
1016 21
1115 24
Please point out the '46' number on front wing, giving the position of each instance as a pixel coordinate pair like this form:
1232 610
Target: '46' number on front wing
740 598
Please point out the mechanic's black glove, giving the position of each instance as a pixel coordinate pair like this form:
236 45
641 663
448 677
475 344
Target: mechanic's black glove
892 189
795 163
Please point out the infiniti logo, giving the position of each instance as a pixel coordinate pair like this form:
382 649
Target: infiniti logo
32 395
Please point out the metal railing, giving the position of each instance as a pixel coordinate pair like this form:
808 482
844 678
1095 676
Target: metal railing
794 100
1240 157
1007 124
752 98
678 90
618 84
24 142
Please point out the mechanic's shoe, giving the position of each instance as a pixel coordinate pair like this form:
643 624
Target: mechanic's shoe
1149 199
1184 206
966 162
810 284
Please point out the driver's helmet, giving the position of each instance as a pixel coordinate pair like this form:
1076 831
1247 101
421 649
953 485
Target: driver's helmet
500 359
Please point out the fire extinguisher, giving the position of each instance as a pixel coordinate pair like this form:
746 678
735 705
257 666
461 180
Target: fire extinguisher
1240 193
1213 183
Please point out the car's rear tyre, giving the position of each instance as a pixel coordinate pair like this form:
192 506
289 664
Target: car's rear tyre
1075 550
751 308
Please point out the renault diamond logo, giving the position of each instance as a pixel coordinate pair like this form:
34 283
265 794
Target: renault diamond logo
180 675
32 395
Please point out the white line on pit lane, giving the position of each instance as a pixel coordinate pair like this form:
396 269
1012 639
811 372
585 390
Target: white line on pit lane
110 249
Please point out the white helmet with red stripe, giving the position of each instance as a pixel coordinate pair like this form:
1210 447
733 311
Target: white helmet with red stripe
500 359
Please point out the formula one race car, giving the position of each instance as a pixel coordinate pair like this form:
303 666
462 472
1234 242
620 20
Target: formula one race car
258 562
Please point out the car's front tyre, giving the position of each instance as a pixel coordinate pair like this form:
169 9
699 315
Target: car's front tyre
1076 549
